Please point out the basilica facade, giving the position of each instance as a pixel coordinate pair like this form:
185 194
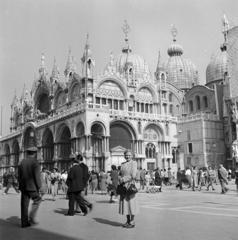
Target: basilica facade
167 118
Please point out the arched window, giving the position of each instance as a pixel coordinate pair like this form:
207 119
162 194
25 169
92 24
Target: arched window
150 150
190 106
198 102
170 97
171 109
205 103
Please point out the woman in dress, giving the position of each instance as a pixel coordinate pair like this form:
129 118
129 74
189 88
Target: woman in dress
128 203
103 182
93 181
43 177
54 182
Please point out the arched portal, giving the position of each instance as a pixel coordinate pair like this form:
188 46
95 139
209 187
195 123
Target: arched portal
64 147
7 155
16 153
29 139
98 146
80 138
122 137
48 148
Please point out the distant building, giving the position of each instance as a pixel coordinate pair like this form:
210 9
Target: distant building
166 119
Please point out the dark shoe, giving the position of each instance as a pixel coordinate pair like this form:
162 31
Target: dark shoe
77 211
26 225
125 225
90 207
67 214
130 226
85 213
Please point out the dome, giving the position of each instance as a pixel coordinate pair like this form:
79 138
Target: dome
127 60
217 66
181 72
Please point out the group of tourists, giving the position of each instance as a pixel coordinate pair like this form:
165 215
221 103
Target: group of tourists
33 184
121 183
196 178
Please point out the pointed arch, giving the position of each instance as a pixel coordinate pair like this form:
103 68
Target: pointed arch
47 145
15 152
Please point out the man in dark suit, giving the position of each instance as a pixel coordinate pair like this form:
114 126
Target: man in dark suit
29 185
76 181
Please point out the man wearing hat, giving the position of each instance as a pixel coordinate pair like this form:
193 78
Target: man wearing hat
76 181
29 185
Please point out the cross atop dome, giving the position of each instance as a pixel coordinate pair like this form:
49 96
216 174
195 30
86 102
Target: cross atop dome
126 29
225 25
174 32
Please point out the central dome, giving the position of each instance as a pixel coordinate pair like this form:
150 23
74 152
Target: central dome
132 61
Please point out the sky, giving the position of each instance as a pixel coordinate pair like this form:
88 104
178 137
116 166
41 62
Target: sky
29 28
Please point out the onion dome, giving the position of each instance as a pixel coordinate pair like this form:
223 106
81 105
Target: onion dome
181 72
137 64
218 65
130 64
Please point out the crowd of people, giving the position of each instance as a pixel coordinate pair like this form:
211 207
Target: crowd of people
121 184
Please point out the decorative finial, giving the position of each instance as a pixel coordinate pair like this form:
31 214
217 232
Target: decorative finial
42 59
111 58
174 32
158 62
55 70
126 29
225 24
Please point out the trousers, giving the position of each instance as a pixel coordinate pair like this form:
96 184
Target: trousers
81 201
25 200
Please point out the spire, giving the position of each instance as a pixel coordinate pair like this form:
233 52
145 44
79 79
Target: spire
158 62
55 70
23 92
70 65
159 67
14 100
126 29
87 61
42 69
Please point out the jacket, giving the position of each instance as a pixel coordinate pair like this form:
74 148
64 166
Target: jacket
29 175
76 179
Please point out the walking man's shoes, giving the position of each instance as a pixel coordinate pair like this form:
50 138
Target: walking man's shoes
67 214
90 207
26 225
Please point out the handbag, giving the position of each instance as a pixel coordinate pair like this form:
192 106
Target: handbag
121 190
131 190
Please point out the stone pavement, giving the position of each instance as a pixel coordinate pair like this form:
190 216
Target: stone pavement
170 215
